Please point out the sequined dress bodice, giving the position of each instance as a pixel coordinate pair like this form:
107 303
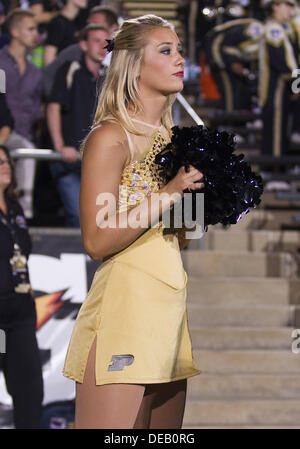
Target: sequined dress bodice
139 179
142 177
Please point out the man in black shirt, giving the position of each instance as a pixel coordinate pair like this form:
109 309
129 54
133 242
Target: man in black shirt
103 16
70 113
45 11
61 30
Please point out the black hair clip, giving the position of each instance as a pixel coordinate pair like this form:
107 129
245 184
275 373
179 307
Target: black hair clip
110 45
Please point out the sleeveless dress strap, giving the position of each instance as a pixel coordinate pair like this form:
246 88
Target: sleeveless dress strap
130 139
161 127
130 142
144 123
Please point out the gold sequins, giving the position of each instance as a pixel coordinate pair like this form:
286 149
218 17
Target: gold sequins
142 177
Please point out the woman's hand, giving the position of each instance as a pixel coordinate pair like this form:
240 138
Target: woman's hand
184 180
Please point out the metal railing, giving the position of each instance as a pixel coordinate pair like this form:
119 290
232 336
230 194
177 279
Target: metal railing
50 155
36 153
188 108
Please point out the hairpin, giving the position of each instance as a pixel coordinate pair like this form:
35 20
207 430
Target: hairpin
110 45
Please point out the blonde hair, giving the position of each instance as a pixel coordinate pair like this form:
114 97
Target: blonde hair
120 88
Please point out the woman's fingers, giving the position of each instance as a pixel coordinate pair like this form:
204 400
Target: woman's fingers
193 179
196 186
194 172
198 176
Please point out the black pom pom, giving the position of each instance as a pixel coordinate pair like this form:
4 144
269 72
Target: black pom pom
230 186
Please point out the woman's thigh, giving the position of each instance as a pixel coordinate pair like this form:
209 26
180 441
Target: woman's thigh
110 406
162 406
145 410
127 406
168 405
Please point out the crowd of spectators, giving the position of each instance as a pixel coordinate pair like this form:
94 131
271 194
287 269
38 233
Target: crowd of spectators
53 63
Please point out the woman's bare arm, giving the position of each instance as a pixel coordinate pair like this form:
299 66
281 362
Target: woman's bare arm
105 156
104 159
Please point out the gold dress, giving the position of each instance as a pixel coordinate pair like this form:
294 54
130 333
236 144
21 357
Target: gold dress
136 305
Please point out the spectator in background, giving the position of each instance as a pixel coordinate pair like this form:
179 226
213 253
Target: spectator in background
23 96
230 48
4 37
295 135
45 11
81 19
61 30
104 16
99 15
70 113
278 60
21 362
6 120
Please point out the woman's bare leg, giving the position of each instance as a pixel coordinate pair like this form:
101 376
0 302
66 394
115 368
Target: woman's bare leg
111 406
168 405
145 410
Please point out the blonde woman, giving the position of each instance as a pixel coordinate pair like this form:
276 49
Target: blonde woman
130 353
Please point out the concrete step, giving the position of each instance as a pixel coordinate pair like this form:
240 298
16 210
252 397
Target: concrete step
150 6
243 386
248 240
241 338
275 199
248 362
254 315
256 219
239 291
247 413
165 13
271 219
237 264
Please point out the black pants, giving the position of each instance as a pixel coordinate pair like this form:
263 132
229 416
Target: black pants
295 116
275 116
21 363
235 90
